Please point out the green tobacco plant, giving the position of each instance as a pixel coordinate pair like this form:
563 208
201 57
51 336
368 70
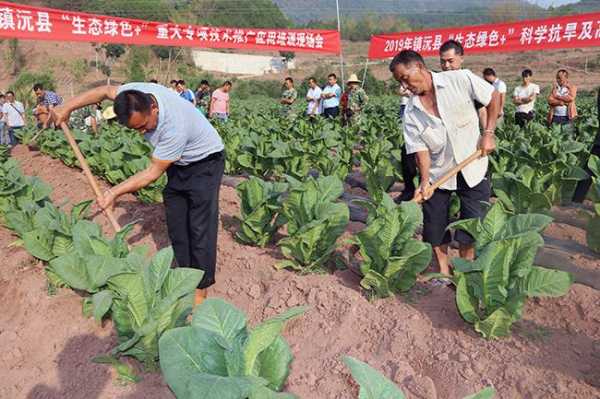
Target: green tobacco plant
260 207
219 356
373 385
45 231
593 220
314 222
90 262
392 257
148 301
492 290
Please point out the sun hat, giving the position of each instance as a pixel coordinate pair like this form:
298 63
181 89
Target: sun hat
353 79
109 113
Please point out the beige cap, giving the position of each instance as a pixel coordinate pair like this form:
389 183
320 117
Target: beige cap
109 113
353 79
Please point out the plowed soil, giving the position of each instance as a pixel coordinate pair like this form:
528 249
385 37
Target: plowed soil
418 340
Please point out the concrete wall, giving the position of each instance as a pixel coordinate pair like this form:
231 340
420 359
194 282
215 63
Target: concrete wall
238 64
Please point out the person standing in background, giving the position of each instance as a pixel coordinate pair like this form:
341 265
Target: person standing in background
288 97
490 76
4 140
331 97
562 100
185 92
219 105
357 100
173 85
524 98
404 95
313 97
203 97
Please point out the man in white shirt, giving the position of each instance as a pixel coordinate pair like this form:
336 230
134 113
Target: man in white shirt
490 75
331 97
314 98
14 116
524 98
441 126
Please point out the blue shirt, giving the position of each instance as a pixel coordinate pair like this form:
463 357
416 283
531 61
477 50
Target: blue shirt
183 134
333 101
188 95
51 98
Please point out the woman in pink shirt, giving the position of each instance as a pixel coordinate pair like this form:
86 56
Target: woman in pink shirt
219 104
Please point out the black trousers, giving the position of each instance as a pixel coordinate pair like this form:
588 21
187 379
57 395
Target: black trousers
409 172
191 200
436 209
331 112
522 118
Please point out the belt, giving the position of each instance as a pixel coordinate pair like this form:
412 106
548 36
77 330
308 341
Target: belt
211 157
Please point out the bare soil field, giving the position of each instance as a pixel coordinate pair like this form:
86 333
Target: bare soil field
418 340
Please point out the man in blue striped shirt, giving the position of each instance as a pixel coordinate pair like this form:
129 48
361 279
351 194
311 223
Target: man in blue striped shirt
46 99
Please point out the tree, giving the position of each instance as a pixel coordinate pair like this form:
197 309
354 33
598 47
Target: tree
136 59
111 53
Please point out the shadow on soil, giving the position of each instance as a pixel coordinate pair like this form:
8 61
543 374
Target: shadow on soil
80 378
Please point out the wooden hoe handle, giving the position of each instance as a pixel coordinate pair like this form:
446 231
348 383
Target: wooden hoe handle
454 171
88 174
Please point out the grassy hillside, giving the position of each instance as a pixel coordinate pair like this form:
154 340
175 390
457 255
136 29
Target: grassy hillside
425 13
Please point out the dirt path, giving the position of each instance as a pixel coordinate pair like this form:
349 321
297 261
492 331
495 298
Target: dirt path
418 340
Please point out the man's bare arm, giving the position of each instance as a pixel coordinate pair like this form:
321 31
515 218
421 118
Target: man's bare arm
424 165
61 113
140 180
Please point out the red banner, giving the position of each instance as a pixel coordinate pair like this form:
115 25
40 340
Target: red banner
36 23
581 30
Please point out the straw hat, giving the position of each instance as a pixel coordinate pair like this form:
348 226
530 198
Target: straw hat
353 79
109 113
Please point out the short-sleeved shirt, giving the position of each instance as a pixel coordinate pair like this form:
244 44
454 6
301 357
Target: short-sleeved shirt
454 136
188 95
183 134
50 98
500 86
314 96
524 92
333 101
221 99
562 110
13 114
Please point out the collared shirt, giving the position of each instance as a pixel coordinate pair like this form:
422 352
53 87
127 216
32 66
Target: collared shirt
333 101
51 98
13 114
183 134
454 136
524 92
313 104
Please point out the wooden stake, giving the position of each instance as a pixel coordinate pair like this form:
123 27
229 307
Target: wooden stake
88 174
476 155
